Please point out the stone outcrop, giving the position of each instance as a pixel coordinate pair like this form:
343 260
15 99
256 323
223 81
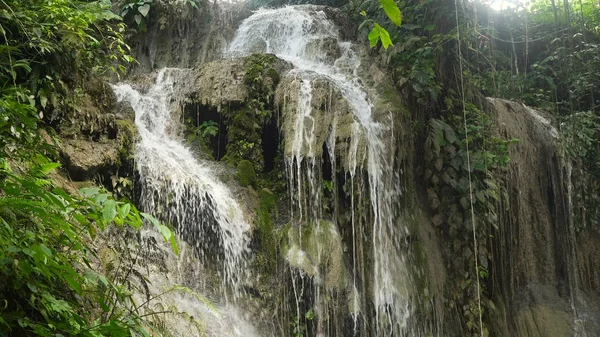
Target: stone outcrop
98 135
184 36
316 249
223 82
331 119
544 270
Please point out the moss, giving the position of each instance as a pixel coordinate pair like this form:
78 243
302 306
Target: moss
246 175
267 234
317 250
245 123
127 137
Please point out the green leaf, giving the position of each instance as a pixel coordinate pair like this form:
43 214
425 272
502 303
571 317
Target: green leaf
450 135
47 168
89 191
46 250
174 245
379 33
392 11
109 212
385 38
152 220
124 210
144 10
374 35
429 28
75 285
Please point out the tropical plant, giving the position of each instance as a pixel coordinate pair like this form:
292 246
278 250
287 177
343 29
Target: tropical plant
49 282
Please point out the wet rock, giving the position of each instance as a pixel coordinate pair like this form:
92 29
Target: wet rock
548 273
84 158
325 50
222 83
317 250
98 135
331 118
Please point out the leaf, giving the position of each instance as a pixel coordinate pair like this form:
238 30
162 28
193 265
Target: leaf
144 10
47 168
374 36
385 38
43 101
152 219
138 19
101 198
109 212
392 11
363 13
124 210
46 250
450 135
174 245
70 279
89 191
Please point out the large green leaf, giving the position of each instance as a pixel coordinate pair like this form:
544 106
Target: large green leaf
109 212
144 9
379 33
392 11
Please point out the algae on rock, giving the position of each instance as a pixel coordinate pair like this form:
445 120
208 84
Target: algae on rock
317 250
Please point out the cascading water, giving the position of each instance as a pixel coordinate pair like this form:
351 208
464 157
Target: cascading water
300 35
182 190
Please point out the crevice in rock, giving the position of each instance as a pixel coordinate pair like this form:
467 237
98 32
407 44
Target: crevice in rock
197 116
270 144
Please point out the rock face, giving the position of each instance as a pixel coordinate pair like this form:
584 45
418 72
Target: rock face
545 272
98 135
224 82
303 248
184 36
331 120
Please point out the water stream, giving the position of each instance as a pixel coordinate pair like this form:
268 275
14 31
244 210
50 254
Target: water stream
182 190
302 35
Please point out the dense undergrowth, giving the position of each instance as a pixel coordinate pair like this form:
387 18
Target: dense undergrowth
51 279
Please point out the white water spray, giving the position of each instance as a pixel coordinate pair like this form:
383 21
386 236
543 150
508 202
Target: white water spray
299 35
181 190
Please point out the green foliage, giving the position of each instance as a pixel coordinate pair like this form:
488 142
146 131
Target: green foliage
580 135
392 11
137 11
267 255
206 131
48 39
244 136
48 280
299 329
261 79
379 33
450 193
246 175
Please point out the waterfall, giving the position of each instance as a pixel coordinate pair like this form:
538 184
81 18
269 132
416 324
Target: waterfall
303 35
182 190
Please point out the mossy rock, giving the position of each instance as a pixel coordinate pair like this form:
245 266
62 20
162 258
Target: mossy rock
268 236
246 175
316 249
